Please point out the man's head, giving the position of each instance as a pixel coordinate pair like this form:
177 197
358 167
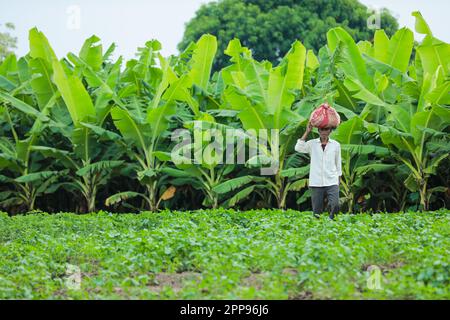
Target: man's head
325 132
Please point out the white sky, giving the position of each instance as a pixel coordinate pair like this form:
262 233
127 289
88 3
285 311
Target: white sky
130 23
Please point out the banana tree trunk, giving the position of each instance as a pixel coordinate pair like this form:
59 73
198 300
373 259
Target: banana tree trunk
30 197
215 203
280 193
90 200
423 195
91 203
281 199
351 200
152 196
91 194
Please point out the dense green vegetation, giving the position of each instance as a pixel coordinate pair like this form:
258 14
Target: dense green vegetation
7 42
85 133
268 27
225 254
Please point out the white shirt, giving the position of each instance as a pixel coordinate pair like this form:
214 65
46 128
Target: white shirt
325 167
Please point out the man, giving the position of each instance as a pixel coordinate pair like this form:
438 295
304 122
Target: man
325 169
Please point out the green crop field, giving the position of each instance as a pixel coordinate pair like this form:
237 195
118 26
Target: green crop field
225 254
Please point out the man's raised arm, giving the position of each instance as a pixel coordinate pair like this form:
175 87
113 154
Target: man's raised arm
301 145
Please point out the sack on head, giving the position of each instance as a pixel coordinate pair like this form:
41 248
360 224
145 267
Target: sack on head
325 116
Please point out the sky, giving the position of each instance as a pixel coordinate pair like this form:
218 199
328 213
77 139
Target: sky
130 23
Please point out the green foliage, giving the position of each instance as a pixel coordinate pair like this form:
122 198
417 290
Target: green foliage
269 28
85 132
7 41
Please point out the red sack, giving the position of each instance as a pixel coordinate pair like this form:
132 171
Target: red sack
325 116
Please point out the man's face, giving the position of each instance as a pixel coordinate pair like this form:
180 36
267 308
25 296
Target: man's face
324 132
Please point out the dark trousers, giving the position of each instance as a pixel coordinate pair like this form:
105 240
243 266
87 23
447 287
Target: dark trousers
317 198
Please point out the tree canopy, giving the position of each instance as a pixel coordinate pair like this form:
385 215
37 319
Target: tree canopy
7 42
268 27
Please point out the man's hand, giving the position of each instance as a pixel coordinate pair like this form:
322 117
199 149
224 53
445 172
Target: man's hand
309 127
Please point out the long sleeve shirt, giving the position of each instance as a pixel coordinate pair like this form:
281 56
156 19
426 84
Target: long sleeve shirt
325 168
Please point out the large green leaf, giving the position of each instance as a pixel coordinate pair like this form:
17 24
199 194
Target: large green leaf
282 81
350 132
40 47
433 55
179 91
398 139
98 166
437 118
232 184
23 107
74 94
122 196
159 118
109 51
101 132
181 173
411 183
304 197
421 25
202 60
361 92
298 185
295 172
312 62
254 117
8 66
168 77
400 49
440 95
381 45
43 86
91 53
400 116
62 155
6 84
375 167
250 76
241 195
105 92
352 62
36 176
131 130
84 143
147 59
431 169
365 149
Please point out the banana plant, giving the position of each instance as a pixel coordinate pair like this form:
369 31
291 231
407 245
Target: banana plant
409 146
423 125
264 96
30 175
146 127
402 102
206 165
355 154
90 160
